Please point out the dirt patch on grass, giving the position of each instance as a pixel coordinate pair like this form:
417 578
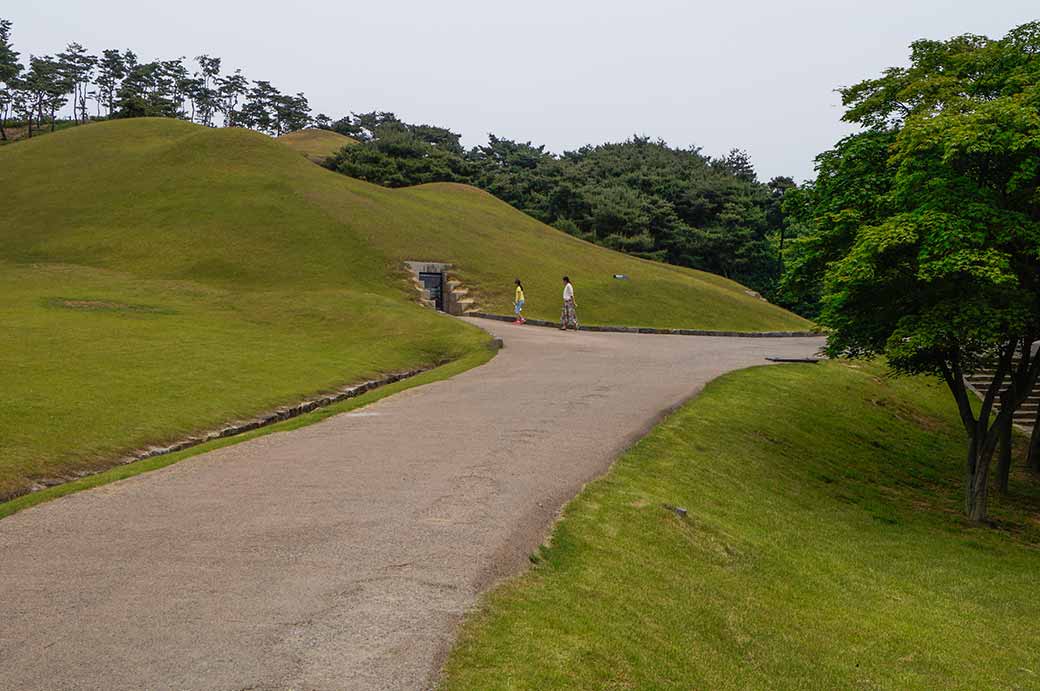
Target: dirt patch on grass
93 305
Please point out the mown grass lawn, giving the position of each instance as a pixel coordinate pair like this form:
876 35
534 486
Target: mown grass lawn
160 198
96 363
159 278
823 549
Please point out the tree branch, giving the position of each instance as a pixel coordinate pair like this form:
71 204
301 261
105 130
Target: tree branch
955 381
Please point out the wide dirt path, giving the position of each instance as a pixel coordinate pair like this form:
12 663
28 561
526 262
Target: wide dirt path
341 555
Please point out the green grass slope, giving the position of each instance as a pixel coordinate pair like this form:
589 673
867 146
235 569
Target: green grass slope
231 207
823 549
315 144
160 277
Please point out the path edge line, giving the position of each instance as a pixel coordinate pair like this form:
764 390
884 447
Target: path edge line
490 582
654 330
262 424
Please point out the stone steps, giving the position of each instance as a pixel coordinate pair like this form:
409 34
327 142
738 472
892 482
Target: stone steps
460 302
1026 414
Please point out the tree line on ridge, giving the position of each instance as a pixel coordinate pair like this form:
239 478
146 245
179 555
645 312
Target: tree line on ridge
117 84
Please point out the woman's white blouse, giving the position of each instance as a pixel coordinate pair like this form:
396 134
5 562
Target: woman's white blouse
568 292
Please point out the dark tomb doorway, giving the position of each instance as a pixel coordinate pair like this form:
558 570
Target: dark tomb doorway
434 285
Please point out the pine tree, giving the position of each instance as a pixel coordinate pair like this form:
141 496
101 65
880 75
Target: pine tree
9 71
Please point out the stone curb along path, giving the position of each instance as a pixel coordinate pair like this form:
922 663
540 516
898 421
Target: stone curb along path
237 428
653 330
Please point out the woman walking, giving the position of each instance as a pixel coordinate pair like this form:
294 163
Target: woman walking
518 303
568 318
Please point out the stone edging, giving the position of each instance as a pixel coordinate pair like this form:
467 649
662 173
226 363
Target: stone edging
651 330
234 429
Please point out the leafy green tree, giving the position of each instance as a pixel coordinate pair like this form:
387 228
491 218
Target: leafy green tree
206 96
45 88
148 90
259 111
521 174
738 164
22 104
193 91
77 68
231 89
10 68
363 127
292 113
125 87
776 218
926 242
397 157
111 69
638 196
440 137
699 212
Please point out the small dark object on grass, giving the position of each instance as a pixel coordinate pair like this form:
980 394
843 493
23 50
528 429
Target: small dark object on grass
621 277
679 511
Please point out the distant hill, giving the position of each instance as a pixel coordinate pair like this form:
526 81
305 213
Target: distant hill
315 144
165 198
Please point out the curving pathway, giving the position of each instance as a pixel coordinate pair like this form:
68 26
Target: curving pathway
341 555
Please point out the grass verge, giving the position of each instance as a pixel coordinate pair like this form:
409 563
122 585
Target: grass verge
823 548
473 359
99 363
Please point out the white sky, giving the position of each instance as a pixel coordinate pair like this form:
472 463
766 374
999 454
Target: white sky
755 75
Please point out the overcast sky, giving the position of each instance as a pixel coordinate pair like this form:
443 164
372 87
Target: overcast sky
759 75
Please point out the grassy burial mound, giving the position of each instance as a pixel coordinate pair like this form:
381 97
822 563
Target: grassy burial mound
161 277
316 145
822 548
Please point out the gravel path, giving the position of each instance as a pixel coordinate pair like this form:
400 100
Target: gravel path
341 555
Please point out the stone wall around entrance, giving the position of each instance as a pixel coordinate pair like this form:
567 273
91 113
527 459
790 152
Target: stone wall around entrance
416 268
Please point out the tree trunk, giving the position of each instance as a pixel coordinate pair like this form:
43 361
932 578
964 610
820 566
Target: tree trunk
982 435
1004 460
977 479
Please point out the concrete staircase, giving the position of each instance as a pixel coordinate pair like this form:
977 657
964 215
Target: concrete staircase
1025 416
457 299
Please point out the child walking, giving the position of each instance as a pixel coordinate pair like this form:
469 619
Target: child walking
518 303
